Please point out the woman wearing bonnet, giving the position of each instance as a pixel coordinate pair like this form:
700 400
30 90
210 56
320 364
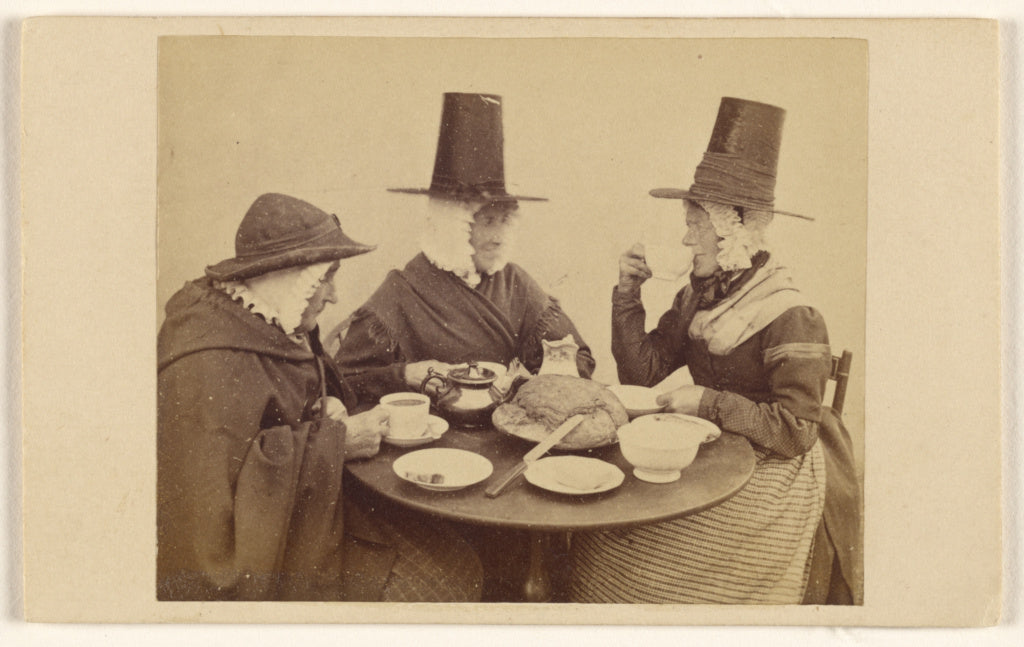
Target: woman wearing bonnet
254 430
759 357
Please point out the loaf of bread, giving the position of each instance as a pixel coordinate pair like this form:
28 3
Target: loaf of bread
546 401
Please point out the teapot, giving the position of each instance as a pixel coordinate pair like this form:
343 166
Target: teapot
465 396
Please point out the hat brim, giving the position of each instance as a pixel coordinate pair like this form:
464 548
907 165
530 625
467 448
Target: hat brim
442 194
682 194
333 247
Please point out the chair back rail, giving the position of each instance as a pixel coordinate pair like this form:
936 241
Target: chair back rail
841 375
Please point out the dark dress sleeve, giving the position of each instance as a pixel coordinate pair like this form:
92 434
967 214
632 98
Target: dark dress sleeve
646 358
229 462
796 360
371 362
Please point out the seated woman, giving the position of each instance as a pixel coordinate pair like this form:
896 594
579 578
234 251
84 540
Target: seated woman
253 432
461 298
759 356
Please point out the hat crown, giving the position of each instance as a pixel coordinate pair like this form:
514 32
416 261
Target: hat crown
276 222
279 231
750 131
470 146
469 163
740 163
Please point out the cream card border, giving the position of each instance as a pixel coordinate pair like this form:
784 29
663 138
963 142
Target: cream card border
933 334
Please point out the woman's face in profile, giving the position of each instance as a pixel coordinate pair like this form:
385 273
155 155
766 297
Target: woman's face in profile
324 294
702 239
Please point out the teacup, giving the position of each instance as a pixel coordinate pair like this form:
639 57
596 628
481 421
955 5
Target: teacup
668 262
408 414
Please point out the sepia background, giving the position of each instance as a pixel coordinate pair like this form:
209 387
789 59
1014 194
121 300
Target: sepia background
590 124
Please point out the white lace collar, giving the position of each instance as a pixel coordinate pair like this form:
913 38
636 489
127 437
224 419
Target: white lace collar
445 241
279 297
738 245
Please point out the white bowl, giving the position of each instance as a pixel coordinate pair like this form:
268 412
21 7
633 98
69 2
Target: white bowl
442 469
638 400
661 445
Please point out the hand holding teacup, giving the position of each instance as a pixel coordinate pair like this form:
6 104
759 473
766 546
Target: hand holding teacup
363 432
653 260
633 270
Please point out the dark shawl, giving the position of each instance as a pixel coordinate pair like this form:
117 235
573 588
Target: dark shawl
249 481
423 312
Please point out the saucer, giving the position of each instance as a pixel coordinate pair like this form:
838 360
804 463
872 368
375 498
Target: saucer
436 427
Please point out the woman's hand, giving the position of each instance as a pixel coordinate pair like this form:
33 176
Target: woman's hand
416 372
331 407
685 399
633 270
363 433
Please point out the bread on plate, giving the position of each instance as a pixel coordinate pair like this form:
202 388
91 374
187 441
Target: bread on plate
546 401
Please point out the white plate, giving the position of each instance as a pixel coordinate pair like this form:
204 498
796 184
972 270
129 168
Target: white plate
435 429
545 472
638 400
442 469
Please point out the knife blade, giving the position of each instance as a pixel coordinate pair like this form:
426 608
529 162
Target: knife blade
542 448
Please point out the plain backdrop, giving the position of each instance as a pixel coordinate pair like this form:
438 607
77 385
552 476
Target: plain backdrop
590 124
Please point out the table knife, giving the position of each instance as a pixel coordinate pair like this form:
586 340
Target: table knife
542 448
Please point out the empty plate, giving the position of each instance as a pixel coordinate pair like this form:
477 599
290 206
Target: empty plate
442 469
574 475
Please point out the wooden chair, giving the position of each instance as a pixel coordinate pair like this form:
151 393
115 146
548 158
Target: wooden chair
841 374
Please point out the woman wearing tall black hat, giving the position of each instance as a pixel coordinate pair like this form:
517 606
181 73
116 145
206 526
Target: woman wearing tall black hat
759 357
253 432
461 298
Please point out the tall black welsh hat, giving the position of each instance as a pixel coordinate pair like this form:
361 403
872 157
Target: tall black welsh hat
740 164
470 160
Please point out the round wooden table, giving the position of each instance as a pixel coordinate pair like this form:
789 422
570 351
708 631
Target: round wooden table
721 468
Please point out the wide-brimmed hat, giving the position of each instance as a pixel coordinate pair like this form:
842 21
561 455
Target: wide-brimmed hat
739 166
279 231
470 159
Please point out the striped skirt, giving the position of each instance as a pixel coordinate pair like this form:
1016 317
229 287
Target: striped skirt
751 549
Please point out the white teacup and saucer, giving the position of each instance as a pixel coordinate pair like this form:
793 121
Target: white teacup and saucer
409 421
